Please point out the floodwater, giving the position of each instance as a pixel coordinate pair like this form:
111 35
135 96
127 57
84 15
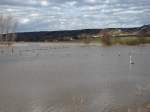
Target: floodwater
38 77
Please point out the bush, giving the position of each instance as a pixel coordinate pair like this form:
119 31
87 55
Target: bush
106 38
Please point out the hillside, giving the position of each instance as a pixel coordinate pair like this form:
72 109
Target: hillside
76 34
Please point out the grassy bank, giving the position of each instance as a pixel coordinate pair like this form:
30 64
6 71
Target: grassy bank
130 40
119 40
113 41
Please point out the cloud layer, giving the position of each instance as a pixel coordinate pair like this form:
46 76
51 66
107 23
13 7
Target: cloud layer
40 15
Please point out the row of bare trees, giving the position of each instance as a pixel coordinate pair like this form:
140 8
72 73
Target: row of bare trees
8 25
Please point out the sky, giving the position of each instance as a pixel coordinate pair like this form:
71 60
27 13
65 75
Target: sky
51 15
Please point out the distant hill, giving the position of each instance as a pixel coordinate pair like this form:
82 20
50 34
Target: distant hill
76 34
55 35
144 30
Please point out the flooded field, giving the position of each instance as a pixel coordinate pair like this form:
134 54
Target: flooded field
38 77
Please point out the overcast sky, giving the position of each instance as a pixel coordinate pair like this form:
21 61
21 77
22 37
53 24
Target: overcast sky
40 15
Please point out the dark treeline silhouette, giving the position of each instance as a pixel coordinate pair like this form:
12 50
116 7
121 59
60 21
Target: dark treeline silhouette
54 35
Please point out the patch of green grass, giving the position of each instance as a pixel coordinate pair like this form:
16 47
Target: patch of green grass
126 40
96 40
89 40
130 40
146 40
86 40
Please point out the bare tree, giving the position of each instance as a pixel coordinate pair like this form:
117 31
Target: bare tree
8 25
1 28
106 37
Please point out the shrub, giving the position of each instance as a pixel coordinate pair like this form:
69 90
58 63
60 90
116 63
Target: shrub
106 38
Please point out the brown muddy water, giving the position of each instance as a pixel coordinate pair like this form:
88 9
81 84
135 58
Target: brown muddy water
36 77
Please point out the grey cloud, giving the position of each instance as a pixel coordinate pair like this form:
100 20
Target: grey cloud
77 14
